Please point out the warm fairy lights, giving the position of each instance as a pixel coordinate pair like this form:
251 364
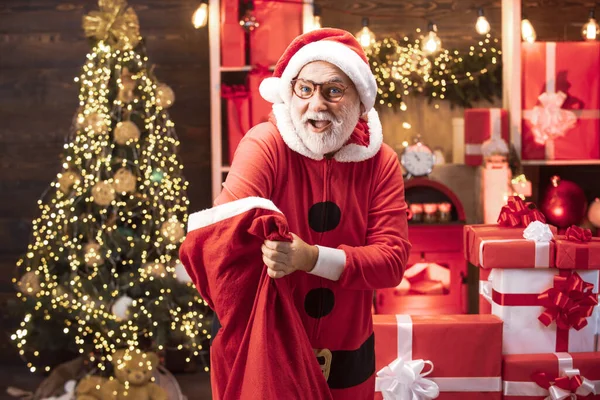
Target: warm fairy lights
403 67
102 262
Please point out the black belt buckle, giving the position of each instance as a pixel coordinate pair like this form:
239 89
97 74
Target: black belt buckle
324 359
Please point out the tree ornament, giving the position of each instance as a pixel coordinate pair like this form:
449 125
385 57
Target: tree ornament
564 203
126 132
172 230
165 97
181 273
67 180
157 175
124 181
593 213
126 87
103 193
156 269
29 283
120 308
92 255
96 123
115 23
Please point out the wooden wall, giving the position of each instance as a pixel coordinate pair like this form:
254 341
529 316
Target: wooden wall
42 48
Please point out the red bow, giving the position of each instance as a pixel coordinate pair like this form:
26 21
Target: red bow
518 213
260 70
579 235
570 384
570 302
234 91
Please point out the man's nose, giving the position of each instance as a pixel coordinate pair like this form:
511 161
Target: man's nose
317 102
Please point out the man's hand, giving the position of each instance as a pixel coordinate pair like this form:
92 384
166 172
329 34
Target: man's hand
283 258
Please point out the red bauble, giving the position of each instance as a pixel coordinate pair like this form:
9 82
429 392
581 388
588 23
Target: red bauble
564 203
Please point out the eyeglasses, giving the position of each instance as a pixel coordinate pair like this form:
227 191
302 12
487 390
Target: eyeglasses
331 91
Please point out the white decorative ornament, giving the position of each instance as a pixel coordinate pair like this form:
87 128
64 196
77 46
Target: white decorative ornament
69 392
181 273
120 308
126 132
594 213
494 146
549 120
538 231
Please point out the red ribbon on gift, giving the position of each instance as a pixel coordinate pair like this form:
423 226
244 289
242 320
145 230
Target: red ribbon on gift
518 213
578 234
569 384
260 70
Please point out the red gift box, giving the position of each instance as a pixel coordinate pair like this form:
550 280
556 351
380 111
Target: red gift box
482 124
571 254
233 40
259 107
549 69
238 115
280 23
551 376
464 351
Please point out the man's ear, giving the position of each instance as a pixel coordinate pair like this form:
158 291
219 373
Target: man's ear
363 112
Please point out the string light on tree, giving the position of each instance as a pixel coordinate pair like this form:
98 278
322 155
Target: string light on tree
200 17
482 26
590 29
365 36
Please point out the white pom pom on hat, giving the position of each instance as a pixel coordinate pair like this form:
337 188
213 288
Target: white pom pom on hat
335 46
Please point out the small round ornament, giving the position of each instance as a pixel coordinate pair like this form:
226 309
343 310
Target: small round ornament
564 203
124 181
181 273
96 123
593 213
157 175
165 97
120 308
172 230
126 132
67 180
29 283
103 193
92 255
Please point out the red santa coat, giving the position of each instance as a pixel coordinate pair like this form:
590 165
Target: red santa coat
354 202
262 351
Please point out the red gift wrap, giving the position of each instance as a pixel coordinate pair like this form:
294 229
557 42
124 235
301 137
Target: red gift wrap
572 68
238 115
464 351
259 107
482 124
551 376
280 23
233 41
578 249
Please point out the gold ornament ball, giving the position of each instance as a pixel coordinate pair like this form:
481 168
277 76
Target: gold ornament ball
92 255
124 181
96 123
29 283
165 97
103 193
594 213
126 132
172 230
67 180
156 269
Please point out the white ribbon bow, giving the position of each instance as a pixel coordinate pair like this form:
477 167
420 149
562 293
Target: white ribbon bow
405 380
538 231
586 388
549 120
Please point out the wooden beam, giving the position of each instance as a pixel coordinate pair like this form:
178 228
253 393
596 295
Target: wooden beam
511 67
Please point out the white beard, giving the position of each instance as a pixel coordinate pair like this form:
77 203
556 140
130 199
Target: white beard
335 137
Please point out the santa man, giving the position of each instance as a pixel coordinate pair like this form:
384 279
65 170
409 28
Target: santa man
321 160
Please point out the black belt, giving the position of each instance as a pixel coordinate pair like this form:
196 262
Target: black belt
347 368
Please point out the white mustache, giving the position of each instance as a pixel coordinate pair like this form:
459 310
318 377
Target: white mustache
318 116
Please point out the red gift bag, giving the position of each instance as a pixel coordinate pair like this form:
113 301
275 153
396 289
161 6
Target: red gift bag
238 115
561 100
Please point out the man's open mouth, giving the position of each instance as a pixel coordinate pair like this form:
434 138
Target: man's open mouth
319 124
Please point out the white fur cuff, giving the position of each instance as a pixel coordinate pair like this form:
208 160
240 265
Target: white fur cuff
330 263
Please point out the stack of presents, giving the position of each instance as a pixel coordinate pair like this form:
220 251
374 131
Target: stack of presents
540 337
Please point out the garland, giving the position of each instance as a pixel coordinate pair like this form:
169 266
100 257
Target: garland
401 69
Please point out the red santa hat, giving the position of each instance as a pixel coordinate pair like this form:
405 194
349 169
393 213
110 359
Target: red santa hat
335 46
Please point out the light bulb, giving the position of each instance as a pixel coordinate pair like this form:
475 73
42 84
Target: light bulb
527 31
317 22
432 42
482 26
249 22
200 17
365 37
590 29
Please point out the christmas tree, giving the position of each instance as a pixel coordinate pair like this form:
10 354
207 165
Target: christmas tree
102 271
